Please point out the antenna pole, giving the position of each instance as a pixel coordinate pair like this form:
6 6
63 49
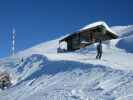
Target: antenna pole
13 41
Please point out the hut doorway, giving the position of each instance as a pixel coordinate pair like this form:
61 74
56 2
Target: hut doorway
62 46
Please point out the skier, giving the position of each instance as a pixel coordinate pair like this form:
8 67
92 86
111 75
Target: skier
99 50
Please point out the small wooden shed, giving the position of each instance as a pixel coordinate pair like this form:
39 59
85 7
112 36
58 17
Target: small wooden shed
89 35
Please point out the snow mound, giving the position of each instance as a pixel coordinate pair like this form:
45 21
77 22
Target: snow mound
123 31
126 44
31 65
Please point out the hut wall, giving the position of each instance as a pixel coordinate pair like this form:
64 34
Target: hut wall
75 41
69 45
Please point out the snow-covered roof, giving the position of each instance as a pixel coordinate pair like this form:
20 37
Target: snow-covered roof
98 23
92 25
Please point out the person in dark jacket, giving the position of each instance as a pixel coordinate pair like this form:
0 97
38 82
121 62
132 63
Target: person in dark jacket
22 60
99 50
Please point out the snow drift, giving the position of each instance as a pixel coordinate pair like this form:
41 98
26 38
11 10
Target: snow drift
126 44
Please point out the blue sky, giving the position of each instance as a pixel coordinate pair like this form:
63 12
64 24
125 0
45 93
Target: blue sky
37 21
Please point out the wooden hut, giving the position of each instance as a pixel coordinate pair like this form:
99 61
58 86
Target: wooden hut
89 35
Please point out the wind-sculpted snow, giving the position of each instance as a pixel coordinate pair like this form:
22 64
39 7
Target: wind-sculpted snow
37 65
126 44
125 37
31 65
30 60
68 80
123 31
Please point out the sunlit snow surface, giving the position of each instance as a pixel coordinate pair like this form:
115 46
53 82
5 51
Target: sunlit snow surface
47 75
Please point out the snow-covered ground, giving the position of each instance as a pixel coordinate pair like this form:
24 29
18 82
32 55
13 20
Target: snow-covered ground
47 75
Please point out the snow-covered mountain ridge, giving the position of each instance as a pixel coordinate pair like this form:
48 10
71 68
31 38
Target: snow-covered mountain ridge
47 75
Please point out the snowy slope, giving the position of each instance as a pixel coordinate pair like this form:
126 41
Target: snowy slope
126 37
47 75
123 31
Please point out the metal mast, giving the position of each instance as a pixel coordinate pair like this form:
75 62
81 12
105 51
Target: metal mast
13 41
